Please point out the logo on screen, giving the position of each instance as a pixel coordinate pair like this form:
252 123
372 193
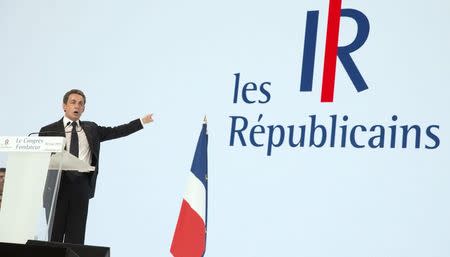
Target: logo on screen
332 50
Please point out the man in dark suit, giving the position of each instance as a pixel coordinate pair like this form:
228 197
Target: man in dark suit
83 140
2 183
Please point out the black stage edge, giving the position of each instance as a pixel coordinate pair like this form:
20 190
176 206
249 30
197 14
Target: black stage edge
80 250
20 250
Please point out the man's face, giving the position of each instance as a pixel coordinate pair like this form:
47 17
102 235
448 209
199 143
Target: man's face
74 107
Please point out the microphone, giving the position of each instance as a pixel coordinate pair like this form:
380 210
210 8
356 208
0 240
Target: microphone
43 133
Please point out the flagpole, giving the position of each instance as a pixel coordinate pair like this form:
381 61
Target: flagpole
205 121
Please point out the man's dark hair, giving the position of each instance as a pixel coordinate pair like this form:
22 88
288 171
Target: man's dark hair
73 91
2 170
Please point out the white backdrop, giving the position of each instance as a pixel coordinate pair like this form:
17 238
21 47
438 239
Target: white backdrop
177 59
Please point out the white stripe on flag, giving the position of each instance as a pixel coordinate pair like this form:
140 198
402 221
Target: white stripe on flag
196 195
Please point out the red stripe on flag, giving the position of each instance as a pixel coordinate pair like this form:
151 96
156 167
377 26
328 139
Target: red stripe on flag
331 48
189 239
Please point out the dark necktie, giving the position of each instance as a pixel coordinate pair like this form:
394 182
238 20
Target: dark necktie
74 140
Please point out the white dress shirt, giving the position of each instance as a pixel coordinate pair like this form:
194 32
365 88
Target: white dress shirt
84 153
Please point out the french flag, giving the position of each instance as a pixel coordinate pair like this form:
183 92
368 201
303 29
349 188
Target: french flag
189 239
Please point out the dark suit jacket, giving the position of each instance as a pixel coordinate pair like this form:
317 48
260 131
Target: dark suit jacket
95 135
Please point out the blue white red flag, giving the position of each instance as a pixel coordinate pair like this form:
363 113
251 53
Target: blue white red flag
189 239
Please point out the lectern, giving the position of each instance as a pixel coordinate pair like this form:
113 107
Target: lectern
33 172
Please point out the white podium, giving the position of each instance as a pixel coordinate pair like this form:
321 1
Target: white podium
33 172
